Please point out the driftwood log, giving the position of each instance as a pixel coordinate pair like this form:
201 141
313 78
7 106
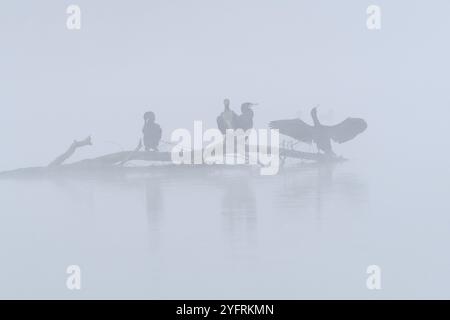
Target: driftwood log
118 159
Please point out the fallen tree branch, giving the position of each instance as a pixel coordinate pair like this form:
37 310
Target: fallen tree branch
120 158
66 155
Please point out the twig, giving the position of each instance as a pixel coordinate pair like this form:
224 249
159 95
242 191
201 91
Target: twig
132 154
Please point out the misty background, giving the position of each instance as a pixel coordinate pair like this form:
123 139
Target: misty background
180 59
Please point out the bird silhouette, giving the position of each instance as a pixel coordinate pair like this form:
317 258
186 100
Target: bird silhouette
320 134
227 119
152 132
245 119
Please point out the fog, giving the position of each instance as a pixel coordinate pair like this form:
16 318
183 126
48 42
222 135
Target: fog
305 233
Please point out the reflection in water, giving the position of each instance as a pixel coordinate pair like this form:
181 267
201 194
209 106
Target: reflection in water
172 230
154 210
239 214
153 201
317 188
80 197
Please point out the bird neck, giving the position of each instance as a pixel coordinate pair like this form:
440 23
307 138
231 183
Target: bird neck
315 118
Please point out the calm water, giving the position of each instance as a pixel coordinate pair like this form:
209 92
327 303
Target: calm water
309 232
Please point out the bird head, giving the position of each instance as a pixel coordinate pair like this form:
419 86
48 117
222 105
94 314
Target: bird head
149 116
226 103
246 107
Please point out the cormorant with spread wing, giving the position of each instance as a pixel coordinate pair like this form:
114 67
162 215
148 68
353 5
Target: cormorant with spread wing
320 134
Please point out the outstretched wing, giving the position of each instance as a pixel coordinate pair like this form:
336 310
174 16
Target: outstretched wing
347 129
294 128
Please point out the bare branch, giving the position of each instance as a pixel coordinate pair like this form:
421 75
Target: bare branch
66 155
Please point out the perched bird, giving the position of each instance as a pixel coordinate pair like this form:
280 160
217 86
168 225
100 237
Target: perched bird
320 134
152 132
227 119
245 119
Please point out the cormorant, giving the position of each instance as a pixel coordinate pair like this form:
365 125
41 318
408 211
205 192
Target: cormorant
245 119
152 132
227 119
319 133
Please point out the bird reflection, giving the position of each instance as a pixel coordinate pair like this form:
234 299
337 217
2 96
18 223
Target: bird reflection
312 188
153 201
154 210
240 214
